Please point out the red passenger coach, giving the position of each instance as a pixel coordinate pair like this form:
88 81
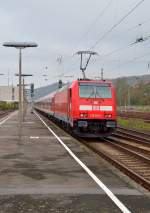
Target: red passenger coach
86 107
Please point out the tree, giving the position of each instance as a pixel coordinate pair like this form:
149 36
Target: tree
122 89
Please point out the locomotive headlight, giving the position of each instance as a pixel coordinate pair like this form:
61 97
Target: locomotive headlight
83 115
108 115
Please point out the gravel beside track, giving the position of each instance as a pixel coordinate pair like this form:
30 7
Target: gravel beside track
4 113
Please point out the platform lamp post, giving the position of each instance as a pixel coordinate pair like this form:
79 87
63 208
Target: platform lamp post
22 92
20 46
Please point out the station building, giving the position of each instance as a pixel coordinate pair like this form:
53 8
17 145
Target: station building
9 94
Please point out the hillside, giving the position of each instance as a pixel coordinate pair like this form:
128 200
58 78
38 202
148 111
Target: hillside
133 80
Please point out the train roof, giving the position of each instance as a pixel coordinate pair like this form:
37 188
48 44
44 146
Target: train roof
93 81
51 94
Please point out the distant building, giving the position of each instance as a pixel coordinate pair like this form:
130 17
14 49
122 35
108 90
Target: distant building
9 93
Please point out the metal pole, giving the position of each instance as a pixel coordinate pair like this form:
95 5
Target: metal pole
20 46
20 87
129 96
23 102
20 95
102 74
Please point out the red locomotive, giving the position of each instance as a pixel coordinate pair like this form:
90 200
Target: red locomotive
86 107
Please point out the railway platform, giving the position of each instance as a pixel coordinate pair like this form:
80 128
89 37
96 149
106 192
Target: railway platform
37 174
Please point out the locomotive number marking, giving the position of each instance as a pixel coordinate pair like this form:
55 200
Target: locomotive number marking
95 107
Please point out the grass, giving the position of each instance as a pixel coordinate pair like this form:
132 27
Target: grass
7 106
134 123
143 108
135 108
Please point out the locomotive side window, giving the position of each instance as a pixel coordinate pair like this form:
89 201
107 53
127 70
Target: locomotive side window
95 91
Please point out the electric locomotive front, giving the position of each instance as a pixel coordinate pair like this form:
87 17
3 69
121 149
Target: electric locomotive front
93 108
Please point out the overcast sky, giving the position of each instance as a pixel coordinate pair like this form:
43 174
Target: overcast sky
63 27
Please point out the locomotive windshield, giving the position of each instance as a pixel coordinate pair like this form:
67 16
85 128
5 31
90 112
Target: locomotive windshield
94 90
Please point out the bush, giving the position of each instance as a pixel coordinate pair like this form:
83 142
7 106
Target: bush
8 106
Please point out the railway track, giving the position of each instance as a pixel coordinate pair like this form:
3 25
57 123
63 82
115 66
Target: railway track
138 115
3 114
133 162
135 135
140 147
132 114
128 151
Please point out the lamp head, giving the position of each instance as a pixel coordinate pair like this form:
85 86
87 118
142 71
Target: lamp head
20 45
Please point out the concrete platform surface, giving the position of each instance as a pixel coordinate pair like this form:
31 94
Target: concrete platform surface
38 175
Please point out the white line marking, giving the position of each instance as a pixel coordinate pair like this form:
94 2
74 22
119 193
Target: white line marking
34 137
7 117
106 108
121 206
85 107
3 118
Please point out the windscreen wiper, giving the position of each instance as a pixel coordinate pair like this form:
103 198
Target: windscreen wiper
91 95
97 94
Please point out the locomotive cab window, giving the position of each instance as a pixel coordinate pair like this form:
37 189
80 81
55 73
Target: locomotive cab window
94 91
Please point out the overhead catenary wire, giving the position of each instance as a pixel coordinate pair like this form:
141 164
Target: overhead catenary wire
129 45
121 48
135 59
116 50
117 24
102 12
93 23
114 26
126 47
108 54
138 25
96 20
132 60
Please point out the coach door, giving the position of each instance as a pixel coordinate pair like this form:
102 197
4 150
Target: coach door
69 102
